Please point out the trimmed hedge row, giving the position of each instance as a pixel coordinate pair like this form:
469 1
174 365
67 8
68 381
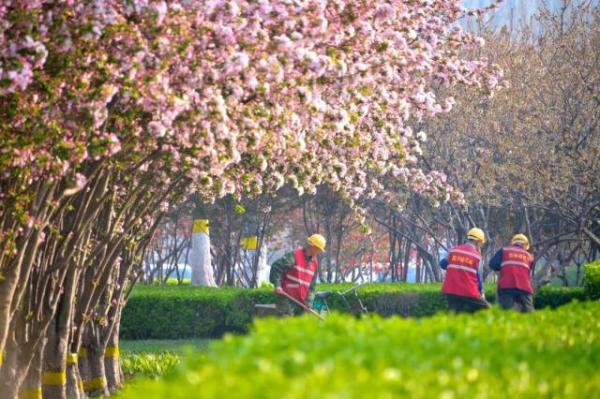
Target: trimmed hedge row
493 354
175 312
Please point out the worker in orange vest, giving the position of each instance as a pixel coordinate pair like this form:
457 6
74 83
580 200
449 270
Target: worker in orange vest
463 285
294 275
513 262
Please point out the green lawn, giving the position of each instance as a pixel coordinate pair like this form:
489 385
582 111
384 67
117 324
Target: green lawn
155 358
493 354
164 345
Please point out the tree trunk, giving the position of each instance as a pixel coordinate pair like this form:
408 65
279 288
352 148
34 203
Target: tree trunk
9 294
22 354
83 366
31 387
112 362
92 371
407 248
202 272
55 353
261 265
57 347
91 362
74 382
9 387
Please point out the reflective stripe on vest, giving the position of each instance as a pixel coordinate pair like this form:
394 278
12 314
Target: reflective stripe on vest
303 270
465 268
298 281
514 263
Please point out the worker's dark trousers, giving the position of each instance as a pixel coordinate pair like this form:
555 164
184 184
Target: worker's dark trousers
285 307
466 304
515 299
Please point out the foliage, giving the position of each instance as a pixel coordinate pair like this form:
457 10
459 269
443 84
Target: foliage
155 358
591 279
493 354
148 365
557 296
527 159
170 312
182 312
161 346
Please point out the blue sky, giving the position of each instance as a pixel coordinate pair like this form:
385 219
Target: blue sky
517 10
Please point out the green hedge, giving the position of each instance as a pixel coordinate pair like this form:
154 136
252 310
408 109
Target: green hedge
492 354
591 279
172 312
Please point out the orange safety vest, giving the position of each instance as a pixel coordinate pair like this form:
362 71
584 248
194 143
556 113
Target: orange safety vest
296 281
515 271
461 272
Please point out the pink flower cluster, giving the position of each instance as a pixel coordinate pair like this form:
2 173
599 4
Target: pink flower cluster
232 96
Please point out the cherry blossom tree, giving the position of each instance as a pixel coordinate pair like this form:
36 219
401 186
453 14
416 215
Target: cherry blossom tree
110 109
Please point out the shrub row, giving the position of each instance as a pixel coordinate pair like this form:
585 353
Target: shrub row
492 354
172 312
591 279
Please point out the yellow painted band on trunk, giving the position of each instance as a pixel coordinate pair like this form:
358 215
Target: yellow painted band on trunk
80 384
31 393
1 358
82 352
95 383
58 378
111 351
72 359
200 226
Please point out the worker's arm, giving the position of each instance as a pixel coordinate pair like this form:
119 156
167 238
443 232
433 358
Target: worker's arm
444 263
479 282
279 267
311 290
496 261
532 267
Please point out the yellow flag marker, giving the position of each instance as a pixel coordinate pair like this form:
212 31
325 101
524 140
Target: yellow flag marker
250 243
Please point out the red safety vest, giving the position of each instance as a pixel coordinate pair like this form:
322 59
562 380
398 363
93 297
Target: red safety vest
461 272
515 269
296 281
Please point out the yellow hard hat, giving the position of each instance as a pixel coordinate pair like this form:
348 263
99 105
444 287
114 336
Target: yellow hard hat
318 241
520 239
476 234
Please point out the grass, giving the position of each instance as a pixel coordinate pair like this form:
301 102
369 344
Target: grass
164 345
493 354
155 358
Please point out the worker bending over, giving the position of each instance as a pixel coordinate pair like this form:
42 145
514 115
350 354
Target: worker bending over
294 275
514 264
463 285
